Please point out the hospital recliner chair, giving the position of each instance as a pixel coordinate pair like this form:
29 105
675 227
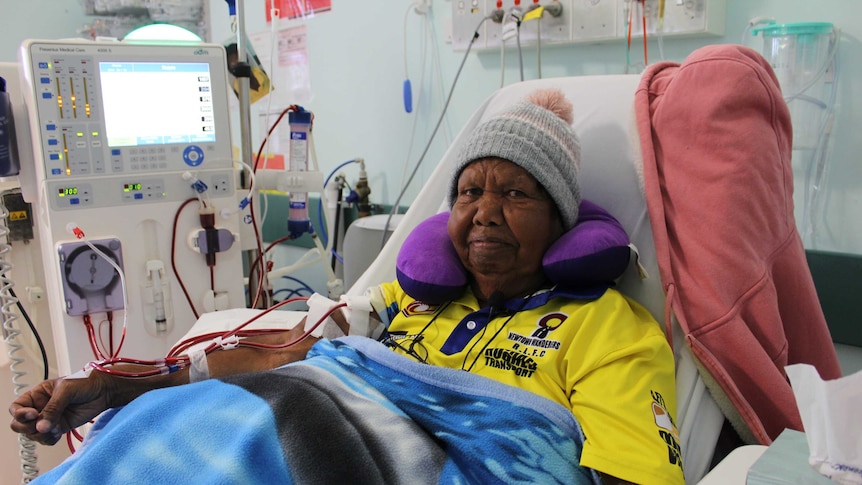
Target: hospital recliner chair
612 175
609 176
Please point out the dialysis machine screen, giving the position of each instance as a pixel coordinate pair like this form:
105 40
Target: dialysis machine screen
132 120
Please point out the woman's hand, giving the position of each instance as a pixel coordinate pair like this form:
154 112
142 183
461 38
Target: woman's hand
50 409
54 407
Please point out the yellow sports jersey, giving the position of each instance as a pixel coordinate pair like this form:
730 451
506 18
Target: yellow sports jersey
601 355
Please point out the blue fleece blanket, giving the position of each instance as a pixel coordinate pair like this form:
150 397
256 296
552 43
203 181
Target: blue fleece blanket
353 412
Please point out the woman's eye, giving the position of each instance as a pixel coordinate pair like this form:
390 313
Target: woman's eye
472 192
515 193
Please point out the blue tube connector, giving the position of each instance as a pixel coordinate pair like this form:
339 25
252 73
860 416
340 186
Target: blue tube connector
408 96
297 228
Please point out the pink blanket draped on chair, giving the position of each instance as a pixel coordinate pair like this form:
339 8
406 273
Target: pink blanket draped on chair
716 143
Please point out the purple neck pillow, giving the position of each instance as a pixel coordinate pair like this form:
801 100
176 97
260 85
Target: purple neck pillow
595 252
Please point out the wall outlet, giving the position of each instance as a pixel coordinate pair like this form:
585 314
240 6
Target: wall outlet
466 16
557 28
585 21
688 18
554 29
695 16
594 19
495 32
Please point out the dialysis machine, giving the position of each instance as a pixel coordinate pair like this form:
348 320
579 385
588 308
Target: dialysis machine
132 181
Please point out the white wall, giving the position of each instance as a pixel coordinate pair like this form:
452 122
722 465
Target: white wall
357 71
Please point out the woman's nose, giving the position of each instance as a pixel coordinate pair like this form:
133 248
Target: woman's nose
489 210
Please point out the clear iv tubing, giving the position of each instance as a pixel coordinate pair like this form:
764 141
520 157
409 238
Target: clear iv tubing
425 42
125 296
518 44
303 262
27 448
817 163
239 165
433 133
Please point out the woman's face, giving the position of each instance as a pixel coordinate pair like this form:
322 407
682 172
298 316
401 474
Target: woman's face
501 224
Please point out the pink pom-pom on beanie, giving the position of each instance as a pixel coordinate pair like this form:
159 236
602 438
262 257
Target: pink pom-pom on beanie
535 134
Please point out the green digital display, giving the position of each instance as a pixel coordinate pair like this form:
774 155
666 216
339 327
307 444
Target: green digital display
64 191
131 187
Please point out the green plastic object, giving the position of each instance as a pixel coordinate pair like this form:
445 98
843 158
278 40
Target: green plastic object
797 28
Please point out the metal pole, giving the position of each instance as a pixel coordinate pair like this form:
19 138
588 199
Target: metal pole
246 153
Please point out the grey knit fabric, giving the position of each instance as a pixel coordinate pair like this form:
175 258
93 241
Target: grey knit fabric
538 141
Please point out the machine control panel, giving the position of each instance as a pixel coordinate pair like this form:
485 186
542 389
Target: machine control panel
106 110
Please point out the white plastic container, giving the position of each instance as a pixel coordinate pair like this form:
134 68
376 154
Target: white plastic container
801 55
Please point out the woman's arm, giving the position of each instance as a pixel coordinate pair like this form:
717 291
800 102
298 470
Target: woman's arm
56 406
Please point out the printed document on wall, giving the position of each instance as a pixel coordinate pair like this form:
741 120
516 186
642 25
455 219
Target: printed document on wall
291 71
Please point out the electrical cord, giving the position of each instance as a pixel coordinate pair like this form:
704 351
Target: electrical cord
42 352
539 47
27 448
297 280
433 133
518 43
323 231
256 264
291 293
295 292
502 62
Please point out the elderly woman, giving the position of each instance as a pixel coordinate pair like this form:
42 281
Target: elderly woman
602 357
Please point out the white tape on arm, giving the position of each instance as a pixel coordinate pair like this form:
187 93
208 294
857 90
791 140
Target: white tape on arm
318 306
199 370
81 374
358 310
